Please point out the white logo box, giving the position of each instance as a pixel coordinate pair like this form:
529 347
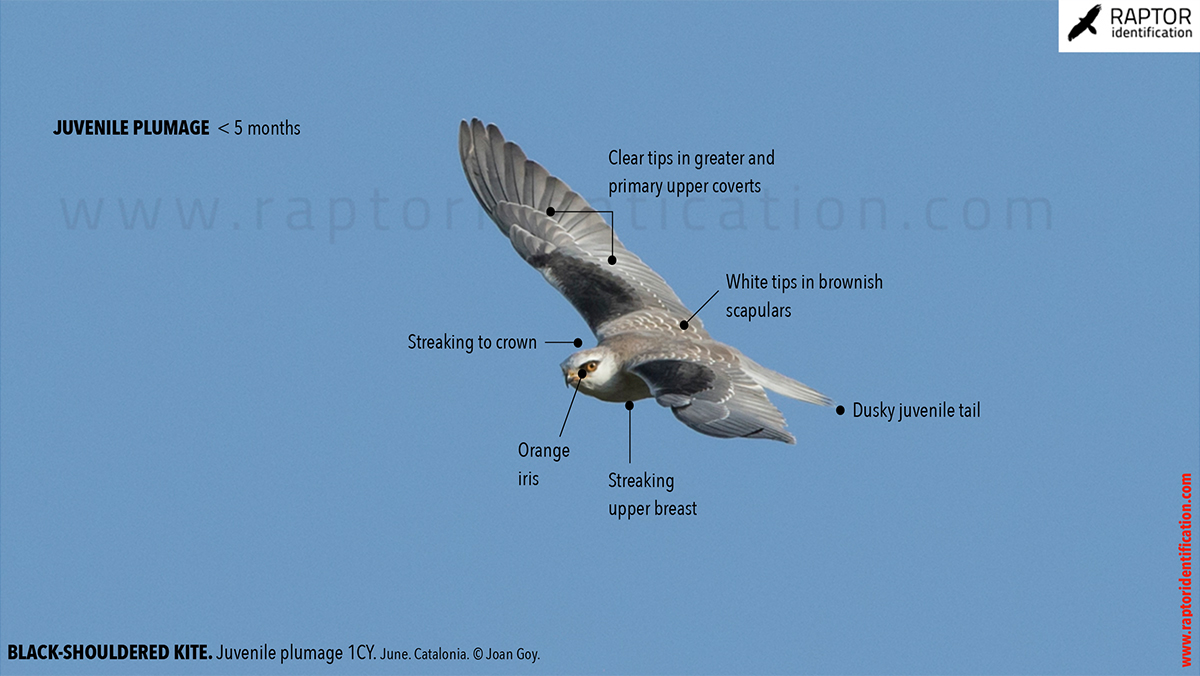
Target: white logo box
1124 26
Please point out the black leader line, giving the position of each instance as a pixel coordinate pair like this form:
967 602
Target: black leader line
612 232
582 374
578 342
684 324
629 407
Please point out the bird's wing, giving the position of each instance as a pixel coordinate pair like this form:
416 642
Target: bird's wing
571 248
706 388
1079 28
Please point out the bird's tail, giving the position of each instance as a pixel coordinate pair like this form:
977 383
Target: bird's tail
777 382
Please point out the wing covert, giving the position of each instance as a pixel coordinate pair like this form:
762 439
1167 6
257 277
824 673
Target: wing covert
714 398
516 192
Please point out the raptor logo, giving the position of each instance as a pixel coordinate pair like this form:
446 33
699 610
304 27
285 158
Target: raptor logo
1085 24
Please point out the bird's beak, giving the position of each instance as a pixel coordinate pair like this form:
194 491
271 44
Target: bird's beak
572 379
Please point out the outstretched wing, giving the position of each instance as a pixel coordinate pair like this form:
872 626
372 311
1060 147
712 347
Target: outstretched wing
571 248
1085 24
714 397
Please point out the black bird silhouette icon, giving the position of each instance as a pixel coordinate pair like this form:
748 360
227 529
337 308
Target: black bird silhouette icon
1085 24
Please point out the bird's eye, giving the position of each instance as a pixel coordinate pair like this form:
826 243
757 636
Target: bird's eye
590 366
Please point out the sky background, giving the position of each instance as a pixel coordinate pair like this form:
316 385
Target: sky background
219 435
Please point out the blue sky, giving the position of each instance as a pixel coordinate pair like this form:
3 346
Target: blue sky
219 435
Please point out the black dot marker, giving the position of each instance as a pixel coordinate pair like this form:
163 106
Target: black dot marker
549 211
612 260
578 342
683 325
841 409
582 373
629 406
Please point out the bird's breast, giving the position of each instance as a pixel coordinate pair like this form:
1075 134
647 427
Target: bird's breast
622 387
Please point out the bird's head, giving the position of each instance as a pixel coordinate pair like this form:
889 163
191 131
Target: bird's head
597 366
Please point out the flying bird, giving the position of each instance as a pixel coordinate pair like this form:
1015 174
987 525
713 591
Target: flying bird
1085 24
642 351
